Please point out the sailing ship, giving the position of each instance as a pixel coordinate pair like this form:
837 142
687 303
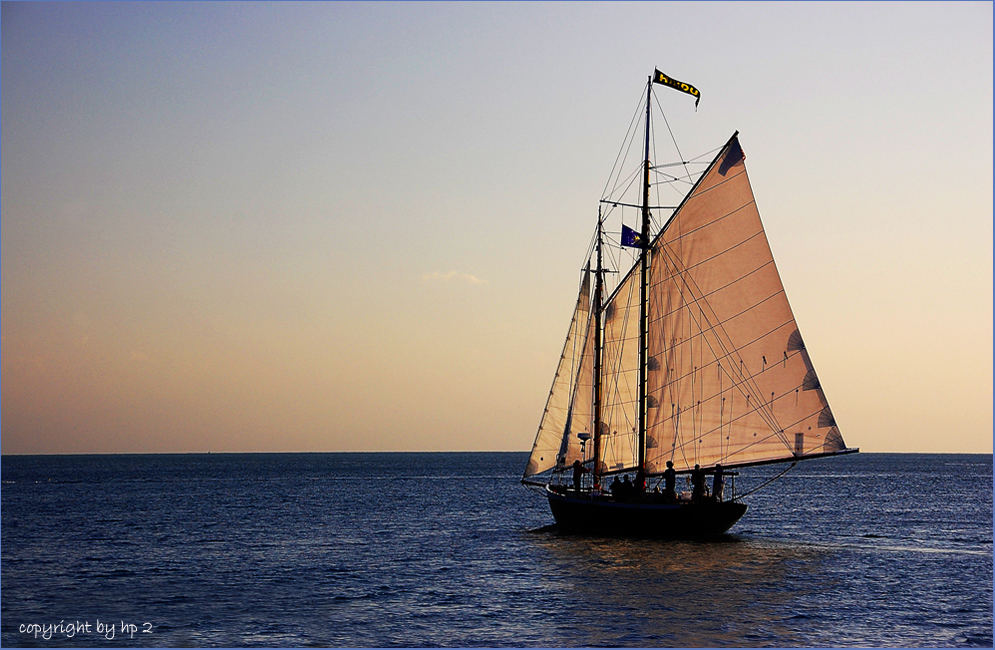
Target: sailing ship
691 365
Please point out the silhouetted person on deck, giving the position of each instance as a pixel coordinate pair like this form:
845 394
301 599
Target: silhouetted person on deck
579 470
616 487
697 483
718 482
670 482
626 487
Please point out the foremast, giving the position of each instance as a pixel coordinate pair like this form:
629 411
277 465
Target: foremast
598 342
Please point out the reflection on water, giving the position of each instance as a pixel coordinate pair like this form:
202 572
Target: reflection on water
678 593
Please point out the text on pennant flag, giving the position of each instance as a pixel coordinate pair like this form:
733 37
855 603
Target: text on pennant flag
660 78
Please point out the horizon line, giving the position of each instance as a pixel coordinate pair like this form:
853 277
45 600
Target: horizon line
495 451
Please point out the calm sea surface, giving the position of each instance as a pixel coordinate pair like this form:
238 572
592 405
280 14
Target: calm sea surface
449 550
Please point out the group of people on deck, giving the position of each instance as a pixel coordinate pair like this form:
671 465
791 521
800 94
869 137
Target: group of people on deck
626 489
698 482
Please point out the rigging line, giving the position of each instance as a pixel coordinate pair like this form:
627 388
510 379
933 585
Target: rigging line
745 380
612 251
678 416
579 339
718 329
535 490
630 181
678 438
628 274
684 274
581 335
673 184
653 222
782 396
591 244
621 204
659 169
618 193
674 357
717 220
556 377
744 377
682 448
765 484
697 183
678 163
630 137
671 133
716 256
697 426
653 383
617 354
670 181
738 418
802 419
667 353
632 267
756 304
724 354
621 373
710 154
697 160
706 190
678 185
568 444
744 447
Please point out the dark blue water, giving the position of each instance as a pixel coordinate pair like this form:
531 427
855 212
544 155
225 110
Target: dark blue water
449 550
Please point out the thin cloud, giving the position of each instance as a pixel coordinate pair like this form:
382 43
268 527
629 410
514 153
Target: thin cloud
452 276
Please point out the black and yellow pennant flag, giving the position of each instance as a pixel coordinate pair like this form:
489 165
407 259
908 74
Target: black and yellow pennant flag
661 78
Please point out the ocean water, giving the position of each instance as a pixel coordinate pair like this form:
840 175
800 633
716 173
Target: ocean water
449 549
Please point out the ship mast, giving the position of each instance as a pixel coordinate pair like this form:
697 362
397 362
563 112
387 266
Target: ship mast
598 285
643 300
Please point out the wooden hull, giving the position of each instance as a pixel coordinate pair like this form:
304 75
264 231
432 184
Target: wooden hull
585 513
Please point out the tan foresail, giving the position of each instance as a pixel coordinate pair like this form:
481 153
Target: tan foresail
555 426
729 378
620 377
581 419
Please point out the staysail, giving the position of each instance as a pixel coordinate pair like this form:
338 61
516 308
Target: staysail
620 379
556 440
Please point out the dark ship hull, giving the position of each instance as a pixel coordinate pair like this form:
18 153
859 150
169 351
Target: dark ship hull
586 513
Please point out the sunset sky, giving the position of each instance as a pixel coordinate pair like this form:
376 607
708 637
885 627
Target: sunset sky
358 227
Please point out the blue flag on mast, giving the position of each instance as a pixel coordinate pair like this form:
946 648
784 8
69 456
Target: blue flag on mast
631 238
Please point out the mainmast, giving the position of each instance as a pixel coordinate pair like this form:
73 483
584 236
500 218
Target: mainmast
598 284
644 264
